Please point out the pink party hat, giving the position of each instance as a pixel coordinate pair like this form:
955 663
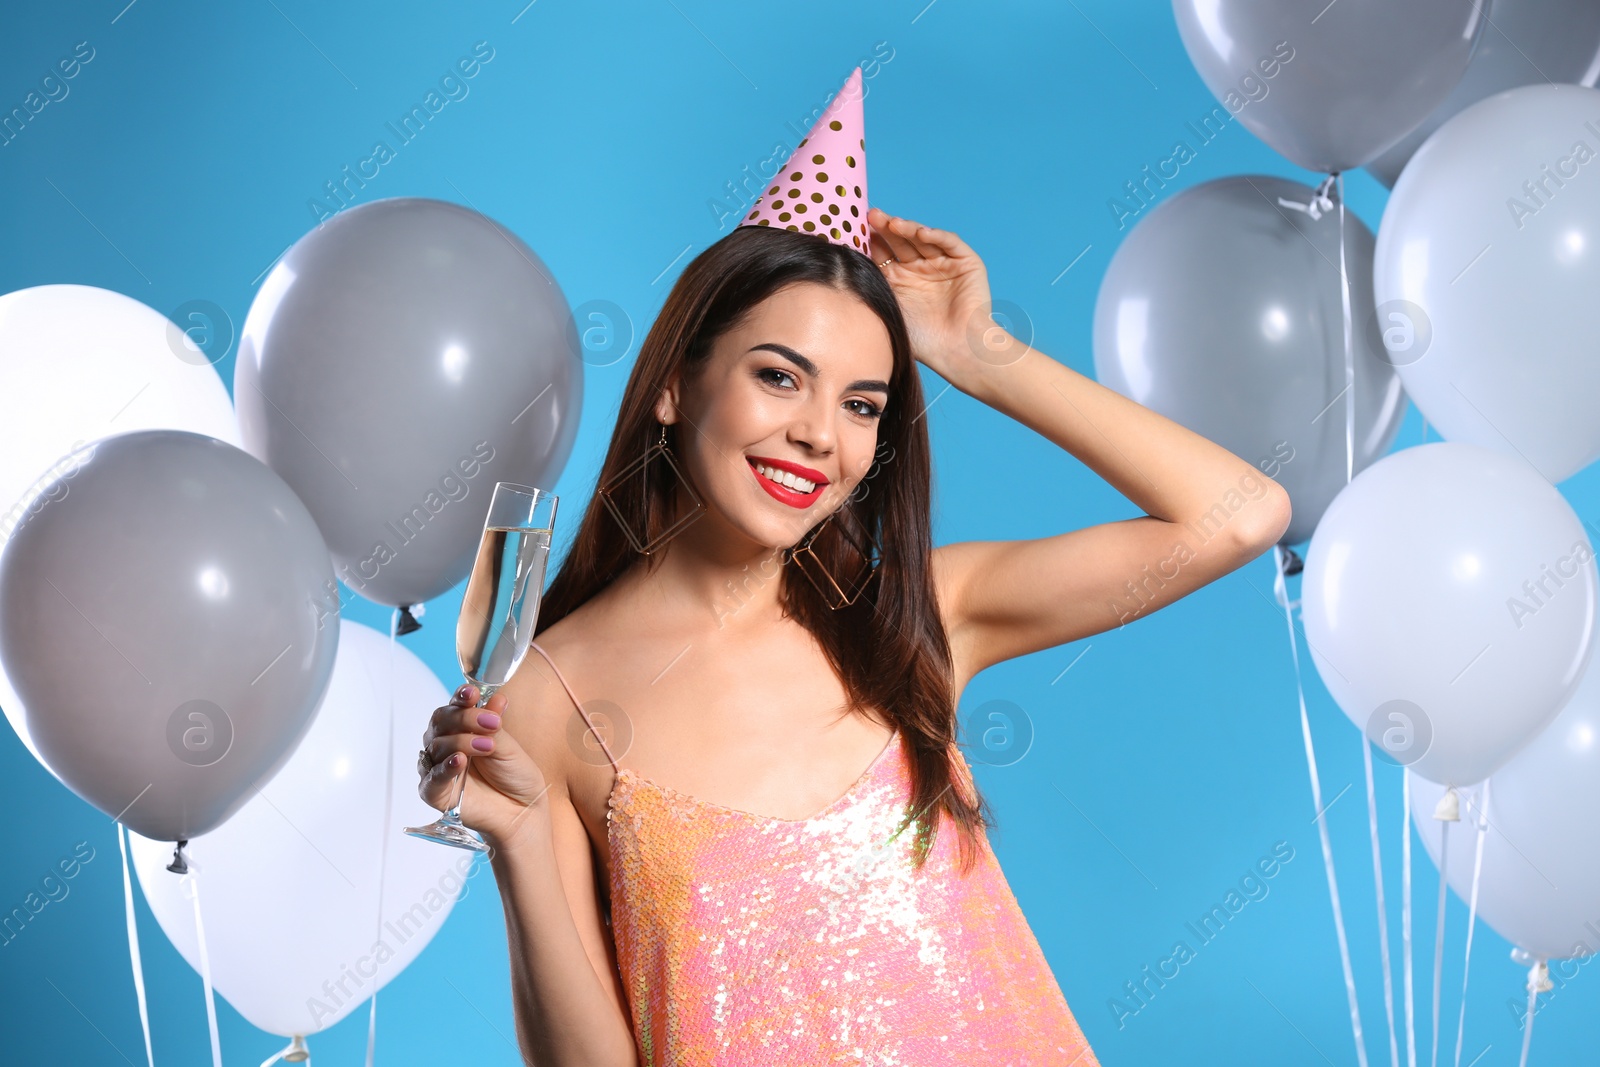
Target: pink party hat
822 189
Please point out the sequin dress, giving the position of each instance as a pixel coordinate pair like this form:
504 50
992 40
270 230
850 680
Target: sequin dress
750 941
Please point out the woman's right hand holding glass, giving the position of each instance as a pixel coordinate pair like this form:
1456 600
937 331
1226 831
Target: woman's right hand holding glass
506 787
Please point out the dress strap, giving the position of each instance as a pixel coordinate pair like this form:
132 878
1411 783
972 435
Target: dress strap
578 703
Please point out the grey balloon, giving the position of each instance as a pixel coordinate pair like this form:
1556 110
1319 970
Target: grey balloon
1222 310
1330 86
398 361
169 621
1527 42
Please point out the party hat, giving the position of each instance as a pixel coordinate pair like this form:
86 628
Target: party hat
822 189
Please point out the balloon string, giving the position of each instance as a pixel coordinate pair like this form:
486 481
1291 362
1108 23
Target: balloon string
1481 817
1438 934
133 945
383 837
1366 746
1405 917
1280 590
1533 998
1383 918
1349 346
191 887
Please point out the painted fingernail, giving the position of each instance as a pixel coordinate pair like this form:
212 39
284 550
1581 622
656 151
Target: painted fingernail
483 744
456 759
463 692
488 720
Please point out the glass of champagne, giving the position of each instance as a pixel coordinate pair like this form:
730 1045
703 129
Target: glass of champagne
498 615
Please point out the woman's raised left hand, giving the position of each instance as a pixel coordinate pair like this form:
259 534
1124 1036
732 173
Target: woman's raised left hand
943 289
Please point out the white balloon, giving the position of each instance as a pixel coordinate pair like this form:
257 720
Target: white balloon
79 363
1540 883
288 886
1449 605
1485 272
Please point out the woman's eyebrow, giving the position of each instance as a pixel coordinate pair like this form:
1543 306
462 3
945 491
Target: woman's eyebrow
860 385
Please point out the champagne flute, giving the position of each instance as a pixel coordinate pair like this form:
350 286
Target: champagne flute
498 615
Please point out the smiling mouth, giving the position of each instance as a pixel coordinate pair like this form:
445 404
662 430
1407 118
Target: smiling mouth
785 485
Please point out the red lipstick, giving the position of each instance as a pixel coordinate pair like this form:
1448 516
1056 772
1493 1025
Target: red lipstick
783 493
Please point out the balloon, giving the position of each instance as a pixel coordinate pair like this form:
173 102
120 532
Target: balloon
1540 883
80 363
1222 311
289 888
1331 91
1527 42
1490 283
163 619
1449 604
398 361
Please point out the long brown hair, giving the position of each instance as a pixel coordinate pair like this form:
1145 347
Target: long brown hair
889 646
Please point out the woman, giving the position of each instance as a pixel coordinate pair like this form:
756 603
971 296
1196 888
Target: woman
791 625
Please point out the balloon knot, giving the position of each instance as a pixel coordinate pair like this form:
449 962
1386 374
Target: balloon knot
1449 806
1539 977
406 616
180 862
1321 201
294 1052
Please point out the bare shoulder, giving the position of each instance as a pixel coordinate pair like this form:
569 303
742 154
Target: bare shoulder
545 720
538 709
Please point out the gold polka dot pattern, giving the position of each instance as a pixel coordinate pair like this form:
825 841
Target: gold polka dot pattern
825 175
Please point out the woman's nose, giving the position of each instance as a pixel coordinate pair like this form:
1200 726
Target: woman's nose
814 430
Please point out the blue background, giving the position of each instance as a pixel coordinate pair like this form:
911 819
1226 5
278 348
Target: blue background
1166 760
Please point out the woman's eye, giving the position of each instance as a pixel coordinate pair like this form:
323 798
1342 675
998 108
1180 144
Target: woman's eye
782 379
774 376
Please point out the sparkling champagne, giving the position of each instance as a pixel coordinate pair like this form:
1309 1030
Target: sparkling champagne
501 605
498 615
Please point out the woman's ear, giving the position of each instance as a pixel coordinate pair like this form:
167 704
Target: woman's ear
667 403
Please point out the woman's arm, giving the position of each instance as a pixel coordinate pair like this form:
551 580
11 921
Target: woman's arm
564 986
1207 511
566 992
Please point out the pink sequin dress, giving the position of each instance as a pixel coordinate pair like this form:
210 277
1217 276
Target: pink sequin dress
750 941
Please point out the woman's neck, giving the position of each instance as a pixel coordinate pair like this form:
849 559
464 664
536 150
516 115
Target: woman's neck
706 574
